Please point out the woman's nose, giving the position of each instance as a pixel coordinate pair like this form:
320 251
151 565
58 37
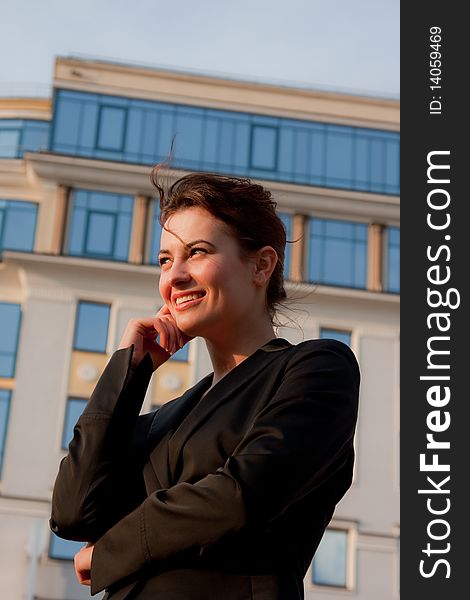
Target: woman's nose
179 273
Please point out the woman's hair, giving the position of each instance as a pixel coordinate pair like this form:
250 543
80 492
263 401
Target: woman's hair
245 207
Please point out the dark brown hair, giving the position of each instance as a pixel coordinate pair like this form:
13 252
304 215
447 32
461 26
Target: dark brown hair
245 207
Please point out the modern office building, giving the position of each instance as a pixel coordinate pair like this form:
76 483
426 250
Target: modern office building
79 235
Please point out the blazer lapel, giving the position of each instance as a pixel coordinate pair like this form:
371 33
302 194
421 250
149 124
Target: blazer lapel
219 394
166 421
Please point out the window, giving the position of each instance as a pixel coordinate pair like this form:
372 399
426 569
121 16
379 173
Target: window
392 270
17 225
329 565
5 396
339 152
22 135
75 407
337 253
336 334
111 129
280 149
91 326
100 225
10 318
263 147
63 549
10 142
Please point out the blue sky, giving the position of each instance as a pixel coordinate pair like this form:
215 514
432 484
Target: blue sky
343 45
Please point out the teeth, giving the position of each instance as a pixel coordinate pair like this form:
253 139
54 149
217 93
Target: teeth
182 299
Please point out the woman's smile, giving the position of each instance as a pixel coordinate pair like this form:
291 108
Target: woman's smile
186 300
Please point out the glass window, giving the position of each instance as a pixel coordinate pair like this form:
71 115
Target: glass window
302 154
149 134
377 164
35 136
287 155
223 141
63 549
226 144
17 225
211 143
336 334
5 396
91 326
75 407
280 149
112 124
67 117
100 225
10 143
166 132
10 318
189 134
337 253
339 157
318 154
392 271
100 233
263 147
21 135
329 563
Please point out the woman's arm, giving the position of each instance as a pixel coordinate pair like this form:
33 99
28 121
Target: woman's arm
302 438
100 479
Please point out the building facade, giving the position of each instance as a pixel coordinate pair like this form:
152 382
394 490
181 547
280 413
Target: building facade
79 237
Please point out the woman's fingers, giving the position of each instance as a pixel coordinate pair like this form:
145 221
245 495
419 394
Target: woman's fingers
82 563
172 338
142 333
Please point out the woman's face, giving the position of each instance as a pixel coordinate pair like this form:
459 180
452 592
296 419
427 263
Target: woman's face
207 285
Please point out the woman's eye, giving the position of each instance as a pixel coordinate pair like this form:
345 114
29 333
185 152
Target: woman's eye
163 260
198 251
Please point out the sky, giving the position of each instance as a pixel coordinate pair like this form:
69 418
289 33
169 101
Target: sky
339 45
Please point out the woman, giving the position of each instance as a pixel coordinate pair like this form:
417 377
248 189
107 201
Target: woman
225 492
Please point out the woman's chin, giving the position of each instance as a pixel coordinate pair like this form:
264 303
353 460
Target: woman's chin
191 329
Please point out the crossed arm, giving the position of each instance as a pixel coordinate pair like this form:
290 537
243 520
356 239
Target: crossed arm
303 437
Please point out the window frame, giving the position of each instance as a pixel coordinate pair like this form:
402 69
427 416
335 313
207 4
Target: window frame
237 156
350 528
121 148
89 214
308 254
11 204
275 129
80 239
77 308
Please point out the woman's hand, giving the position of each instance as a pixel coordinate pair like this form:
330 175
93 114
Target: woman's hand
82 562
143 332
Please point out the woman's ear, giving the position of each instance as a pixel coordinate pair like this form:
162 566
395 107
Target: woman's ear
265 261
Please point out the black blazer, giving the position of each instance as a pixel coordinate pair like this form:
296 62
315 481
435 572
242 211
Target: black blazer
224 497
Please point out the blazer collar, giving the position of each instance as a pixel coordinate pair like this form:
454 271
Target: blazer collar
188 411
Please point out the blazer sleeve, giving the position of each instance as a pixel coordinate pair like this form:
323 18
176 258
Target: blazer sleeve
100 479
299 440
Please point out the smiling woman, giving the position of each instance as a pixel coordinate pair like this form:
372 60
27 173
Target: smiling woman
226 491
